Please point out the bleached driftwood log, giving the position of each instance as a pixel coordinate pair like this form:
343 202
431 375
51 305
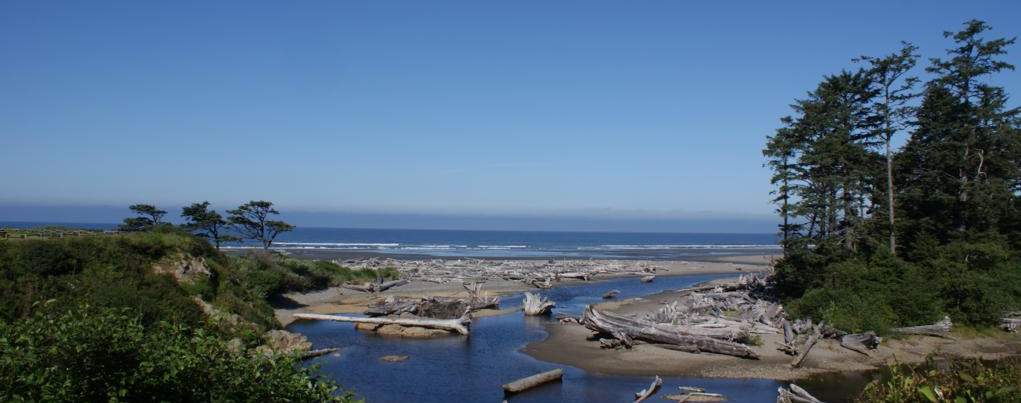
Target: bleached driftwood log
860 342
812 339
794 395
647 279
1011 322
533 381
672 337
316 353
788 346
459 325
651 390
535 305
938 329
375 287
575 275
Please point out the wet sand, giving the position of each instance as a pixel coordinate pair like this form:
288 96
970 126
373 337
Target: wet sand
568 344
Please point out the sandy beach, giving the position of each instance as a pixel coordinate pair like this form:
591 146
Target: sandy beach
568 344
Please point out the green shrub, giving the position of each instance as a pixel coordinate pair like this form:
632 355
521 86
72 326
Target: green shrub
89 354
958 380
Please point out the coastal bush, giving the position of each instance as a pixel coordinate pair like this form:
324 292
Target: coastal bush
103 354
956 380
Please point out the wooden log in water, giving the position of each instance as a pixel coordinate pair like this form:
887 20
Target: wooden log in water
651 390
530 382
535 305
459 325
647 279
611 294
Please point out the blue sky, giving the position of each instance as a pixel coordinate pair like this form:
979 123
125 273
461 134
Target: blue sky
614 109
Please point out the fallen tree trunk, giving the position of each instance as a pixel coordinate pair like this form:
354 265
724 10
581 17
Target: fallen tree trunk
535 305
671 337
808 346
533 381
380 287
316 353
794 394
459 325
651 390
860 342
647 279
938 329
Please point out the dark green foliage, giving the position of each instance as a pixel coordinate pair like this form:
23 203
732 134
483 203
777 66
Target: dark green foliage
866 255
271 274
148 217
955 380
252 220
108 271
89 354
206 223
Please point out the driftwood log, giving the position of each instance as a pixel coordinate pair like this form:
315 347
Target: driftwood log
1011 322
794 395
651 390
788 346
647 279
526 383
316 353
938 329
459 325
812 339
375 287
860 342
535 305
611 294
667 336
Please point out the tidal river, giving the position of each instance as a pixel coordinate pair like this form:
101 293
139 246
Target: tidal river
469 369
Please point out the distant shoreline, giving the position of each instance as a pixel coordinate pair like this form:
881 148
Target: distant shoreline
732 255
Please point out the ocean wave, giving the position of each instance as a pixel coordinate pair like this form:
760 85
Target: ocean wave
686 246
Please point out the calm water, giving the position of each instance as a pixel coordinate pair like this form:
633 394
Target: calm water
472 369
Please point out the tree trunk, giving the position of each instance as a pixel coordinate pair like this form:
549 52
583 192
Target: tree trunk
938 329
672 337
889 192
648 392
524 384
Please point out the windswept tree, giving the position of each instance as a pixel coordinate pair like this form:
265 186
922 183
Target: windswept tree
206 223
148 217
893 89
252 220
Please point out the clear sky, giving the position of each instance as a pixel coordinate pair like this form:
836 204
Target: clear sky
559 108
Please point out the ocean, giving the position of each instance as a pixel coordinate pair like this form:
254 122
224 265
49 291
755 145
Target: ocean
506 244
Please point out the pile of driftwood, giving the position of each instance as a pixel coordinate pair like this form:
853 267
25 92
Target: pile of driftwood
695 322
536 273
447 313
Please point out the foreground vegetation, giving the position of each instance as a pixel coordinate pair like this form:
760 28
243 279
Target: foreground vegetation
875 236
955 380
158 315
